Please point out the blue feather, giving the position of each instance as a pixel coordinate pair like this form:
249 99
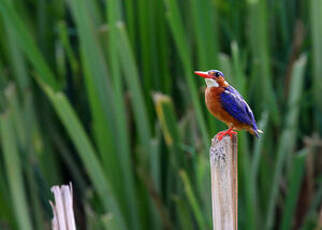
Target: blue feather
237 107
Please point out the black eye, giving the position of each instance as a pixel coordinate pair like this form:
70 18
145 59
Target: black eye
217 74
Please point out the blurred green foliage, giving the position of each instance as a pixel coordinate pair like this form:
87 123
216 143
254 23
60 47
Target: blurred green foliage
102 93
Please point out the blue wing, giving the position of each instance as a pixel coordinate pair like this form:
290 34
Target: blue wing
237 107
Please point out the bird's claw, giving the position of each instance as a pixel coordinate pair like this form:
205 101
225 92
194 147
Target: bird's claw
229 132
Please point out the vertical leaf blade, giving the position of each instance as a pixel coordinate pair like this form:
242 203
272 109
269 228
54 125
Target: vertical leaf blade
14 172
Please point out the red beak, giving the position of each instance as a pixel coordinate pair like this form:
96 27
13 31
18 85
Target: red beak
203 74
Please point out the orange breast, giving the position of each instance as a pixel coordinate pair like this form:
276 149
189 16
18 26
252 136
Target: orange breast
212 96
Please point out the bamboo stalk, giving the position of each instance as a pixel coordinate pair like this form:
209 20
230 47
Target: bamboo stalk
224 183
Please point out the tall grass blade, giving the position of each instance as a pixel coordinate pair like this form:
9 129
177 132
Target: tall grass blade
6 212
98 85
225 64
86 153
164 109
14 173
177 29
169 127
21 117
113 16
16 58
254 168
145 42
288 137
27 43
193 201
184 215
294 189
63 35
164 47
205 31
259 43
312 212
258 148
132 80
316 31
102 101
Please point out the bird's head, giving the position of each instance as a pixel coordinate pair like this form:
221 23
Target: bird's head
213 78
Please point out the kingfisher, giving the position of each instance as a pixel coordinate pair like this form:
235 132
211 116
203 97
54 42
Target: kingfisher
226 104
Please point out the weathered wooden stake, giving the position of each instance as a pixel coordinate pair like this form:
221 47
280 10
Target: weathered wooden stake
63 218
224 186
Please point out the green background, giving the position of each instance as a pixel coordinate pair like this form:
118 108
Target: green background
102 93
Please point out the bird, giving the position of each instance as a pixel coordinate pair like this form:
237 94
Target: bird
227 104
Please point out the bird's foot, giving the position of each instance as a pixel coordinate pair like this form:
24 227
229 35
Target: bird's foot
229 132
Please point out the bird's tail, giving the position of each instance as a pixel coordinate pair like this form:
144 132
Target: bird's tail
257 132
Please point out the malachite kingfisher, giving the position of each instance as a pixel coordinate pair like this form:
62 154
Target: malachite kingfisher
225 103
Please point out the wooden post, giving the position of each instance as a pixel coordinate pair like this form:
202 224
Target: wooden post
224 186
63 218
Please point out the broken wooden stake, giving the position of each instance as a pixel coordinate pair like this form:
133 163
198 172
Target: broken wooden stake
63 212
224 186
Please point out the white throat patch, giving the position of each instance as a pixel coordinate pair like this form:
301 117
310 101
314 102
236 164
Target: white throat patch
211 83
